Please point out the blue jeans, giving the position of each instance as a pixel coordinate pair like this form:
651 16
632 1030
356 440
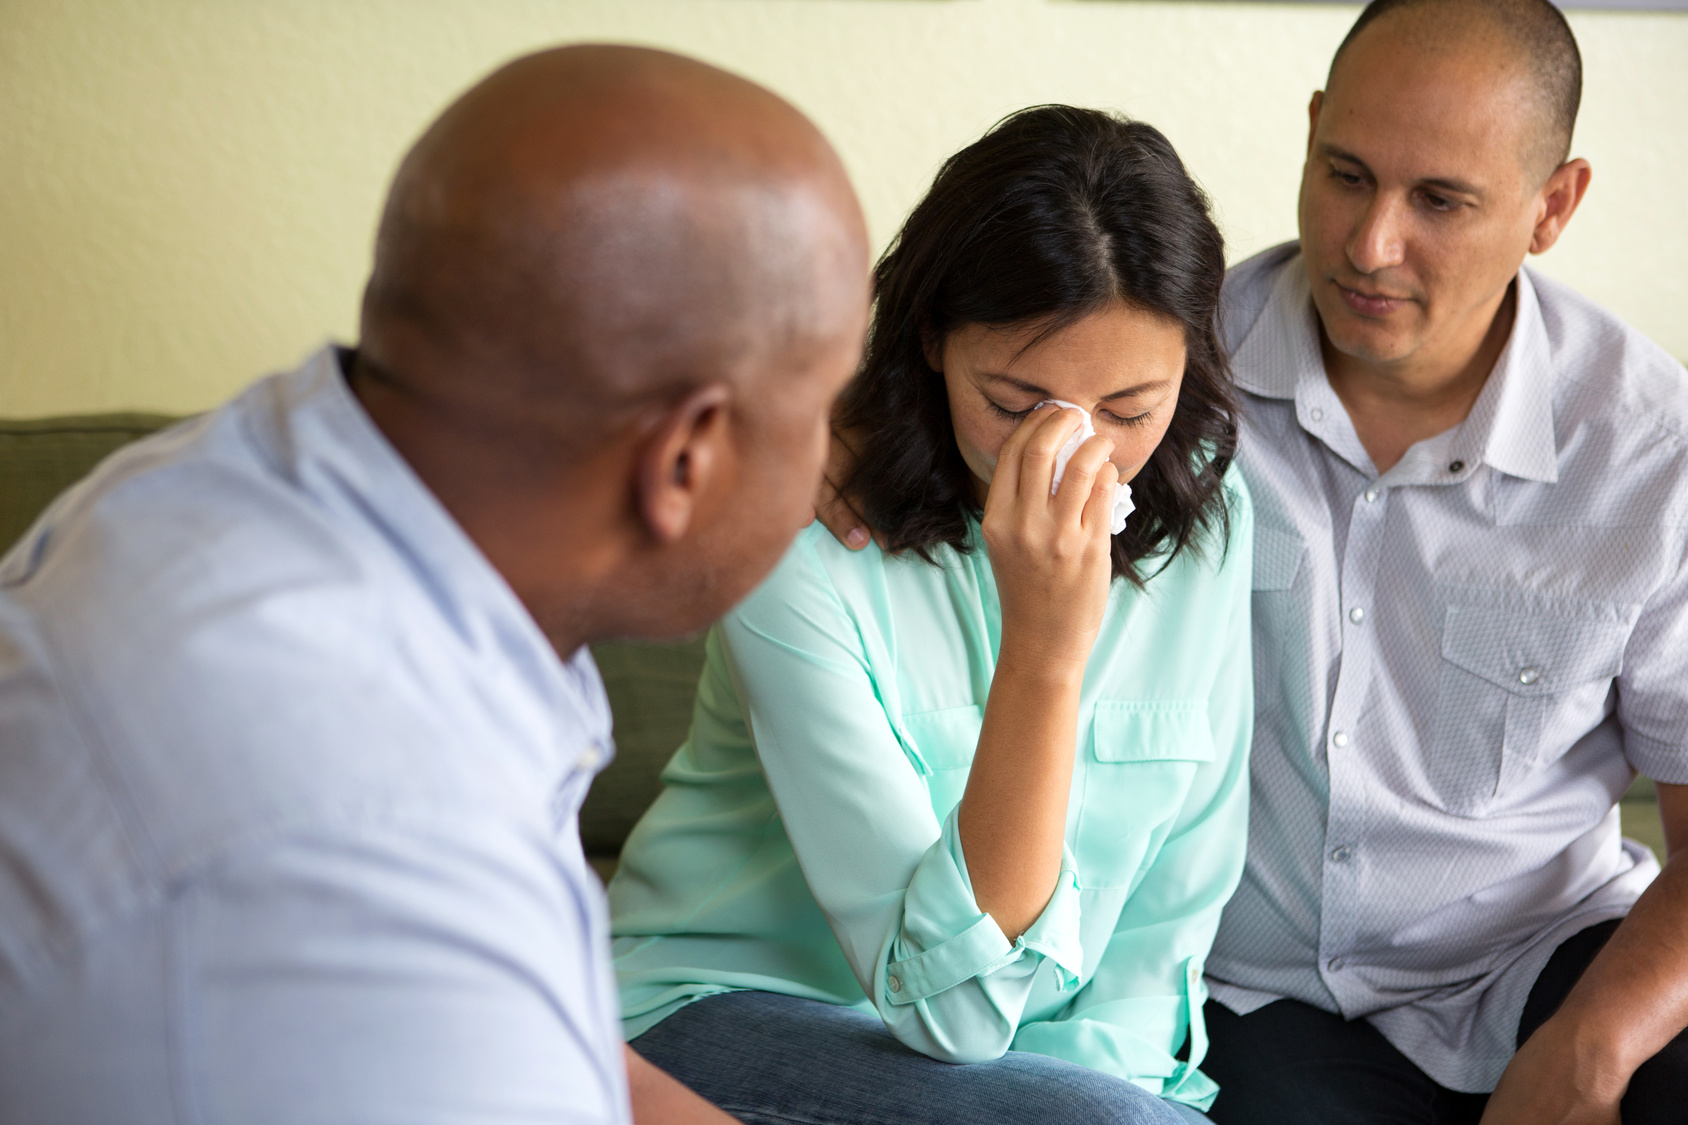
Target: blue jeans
769 1059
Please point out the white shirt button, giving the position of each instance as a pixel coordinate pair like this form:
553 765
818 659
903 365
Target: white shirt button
894 982
1356 615
1528 676
1372 495
1339 739
1340 854
1316 414
1335 964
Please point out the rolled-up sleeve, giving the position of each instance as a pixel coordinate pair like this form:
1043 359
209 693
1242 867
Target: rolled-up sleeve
888 875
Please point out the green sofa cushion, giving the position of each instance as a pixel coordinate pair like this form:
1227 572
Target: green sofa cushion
41 457
650 685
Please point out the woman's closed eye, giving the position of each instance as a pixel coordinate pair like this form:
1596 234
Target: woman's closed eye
1133 420
1106 415
1012 415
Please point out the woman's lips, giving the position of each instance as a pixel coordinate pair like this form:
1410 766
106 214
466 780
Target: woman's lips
1368 304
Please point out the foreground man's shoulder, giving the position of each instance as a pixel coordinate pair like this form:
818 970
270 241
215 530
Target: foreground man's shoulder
1248 289
1605 364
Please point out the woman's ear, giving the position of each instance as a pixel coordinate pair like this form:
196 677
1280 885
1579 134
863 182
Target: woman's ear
932 347
687 461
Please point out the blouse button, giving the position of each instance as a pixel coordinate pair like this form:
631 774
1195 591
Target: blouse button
894 983
1528 676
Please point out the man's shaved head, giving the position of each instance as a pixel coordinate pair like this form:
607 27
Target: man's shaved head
595 226
1530 34
615 293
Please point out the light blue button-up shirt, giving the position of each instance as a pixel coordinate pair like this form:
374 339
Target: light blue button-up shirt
288 785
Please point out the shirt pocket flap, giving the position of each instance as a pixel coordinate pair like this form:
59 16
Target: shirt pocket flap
1277 557
943 739
1152 730
1532 653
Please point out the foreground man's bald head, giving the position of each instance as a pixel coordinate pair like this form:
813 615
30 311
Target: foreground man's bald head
614 294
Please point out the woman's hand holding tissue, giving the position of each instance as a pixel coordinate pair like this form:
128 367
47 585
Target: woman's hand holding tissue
1050 544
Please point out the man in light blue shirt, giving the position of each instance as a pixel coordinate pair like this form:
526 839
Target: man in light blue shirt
295 709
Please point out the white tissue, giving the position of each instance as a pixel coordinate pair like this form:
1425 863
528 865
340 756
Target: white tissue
1122 492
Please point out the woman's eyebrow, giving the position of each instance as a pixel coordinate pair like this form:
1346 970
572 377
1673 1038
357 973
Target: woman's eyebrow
1034 389
1138 389
1017 384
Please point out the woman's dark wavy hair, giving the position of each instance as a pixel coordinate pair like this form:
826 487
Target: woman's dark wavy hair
1053 214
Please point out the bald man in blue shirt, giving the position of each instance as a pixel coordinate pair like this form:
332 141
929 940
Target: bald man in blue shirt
295 708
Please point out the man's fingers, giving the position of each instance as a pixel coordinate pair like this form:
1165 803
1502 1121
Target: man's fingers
838 516
832 507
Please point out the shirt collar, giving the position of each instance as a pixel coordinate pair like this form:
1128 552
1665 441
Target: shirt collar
1517 423
1510 426
341 447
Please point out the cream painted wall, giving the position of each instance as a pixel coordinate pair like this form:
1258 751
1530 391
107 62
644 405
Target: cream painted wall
190 186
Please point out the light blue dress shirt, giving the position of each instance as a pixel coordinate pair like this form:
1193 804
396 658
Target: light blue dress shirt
805 841
288 787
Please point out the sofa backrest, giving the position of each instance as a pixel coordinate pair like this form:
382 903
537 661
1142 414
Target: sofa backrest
650 685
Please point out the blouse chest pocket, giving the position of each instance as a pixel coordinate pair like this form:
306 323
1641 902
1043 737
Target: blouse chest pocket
1510 679
940 745
1143 756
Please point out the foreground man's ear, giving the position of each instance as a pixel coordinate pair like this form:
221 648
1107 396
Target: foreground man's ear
1561 194
684 459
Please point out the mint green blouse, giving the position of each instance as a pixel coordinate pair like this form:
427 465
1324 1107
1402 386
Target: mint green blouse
805 839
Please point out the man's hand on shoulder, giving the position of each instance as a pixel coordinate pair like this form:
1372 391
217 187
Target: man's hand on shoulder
832 507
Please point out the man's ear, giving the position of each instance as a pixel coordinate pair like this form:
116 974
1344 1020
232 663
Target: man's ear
687 460
1560 197
1313 108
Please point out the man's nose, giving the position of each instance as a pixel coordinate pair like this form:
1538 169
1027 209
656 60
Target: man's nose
1379 242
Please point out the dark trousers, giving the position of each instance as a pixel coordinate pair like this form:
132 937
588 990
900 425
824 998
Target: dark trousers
1291 1064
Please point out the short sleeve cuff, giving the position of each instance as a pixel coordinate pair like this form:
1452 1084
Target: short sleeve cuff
1665 762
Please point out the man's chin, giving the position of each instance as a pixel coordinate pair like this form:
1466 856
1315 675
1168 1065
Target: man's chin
1368 340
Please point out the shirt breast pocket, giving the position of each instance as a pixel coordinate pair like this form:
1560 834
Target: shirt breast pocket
1509 679
1143 756
941 745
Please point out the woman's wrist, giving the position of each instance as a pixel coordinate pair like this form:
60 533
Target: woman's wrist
1050 665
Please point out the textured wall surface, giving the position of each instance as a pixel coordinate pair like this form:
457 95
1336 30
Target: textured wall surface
191 185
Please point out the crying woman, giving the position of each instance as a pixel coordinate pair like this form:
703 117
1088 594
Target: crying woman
976 793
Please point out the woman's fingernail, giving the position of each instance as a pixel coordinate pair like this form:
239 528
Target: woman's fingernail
856 538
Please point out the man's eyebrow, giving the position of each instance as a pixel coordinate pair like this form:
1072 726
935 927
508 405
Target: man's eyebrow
1034 389
1440 183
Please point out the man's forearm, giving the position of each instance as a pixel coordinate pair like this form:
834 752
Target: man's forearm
1633 998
